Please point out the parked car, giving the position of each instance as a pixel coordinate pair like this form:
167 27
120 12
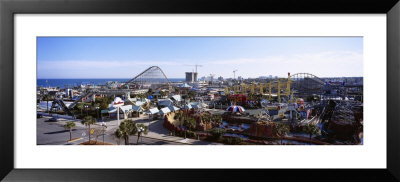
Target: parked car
53 119
39 115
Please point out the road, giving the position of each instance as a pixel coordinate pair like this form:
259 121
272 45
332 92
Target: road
53 133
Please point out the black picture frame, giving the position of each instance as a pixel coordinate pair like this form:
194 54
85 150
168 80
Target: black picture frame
8 8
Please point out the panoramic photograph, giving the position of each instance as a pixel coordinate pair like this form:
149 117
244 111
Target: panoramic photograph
199 91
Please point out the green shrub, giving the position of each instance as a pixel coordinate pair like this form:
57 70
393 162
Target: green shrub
233 141
191 134
216 133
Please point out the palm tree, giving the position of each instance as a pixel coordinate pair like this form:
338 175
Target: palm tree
282 130
47 98
141 128
80 106
125 129
69 125
311 129
87 121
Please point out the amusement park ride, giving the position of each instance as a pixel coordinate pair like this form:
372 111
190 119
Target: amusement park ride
281 86
299 85
152 76
282 93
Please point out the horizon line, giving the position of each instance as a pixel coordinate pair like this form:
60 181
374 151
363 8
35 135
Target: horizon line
206 77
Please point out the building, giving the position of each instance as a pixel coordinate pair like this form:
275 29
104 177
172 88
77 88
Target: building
191 76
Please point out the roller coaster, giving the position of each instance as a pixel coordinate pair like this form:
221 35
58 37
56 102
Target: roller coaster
298 85
306 84
151 76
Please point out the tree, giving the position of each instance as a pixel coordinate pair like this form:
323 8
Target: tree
282 130
80 106
146 106
162 93
184 97
149 92
141 128
206 118
217 119
125 129
190 123
69 125
142 96
311 129
191 94
104 104
118 135
87 121
47 98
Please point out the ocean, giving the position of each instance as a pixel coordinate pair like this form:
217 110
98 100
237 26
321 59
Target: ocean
69 83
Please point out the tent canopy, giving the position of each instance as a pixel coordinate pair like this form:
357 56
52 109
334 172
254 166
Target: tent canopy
177 98
173 108
153 110
165 110
165 102
235 108
137 108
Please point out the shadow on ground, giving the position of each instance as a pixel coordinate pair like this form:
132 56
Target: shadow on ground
57 132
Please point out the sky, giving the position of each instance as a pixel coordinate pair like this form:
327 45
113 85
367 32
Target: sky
125 57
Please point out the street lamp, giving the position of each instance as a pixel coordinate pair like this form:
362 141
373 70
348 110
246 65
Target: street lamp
86 108
140 130
97 111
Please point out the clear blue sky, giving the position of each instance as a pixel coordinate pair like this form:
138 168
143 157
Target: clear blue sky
125 57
